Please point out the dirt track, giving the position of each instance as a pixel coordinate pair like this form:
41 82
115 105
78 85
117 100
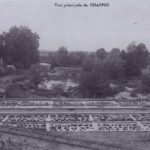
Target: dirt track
60 110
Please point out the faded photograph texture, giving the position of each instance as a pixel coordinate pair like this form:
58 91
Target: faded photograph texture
74 75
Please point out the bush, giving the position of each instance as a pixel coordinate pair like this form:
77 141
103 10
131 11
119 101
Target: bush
145 81
94 84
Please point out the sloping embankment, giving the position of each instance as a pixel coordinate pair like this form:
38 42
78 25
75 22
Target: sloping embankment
17 139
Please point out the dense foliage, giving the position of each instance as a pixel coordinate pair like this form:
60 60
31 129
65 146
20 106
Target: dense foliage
19 46
100 68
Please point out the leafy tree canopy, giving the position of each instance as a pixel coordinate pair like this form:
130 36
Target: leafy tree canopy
20 46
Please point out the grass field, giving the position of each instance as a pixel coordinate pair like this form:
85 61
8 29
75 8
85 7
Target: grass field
114 140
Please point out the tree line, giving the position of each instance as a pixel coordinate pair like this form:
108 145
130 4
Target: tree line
117 63
101 67
19 47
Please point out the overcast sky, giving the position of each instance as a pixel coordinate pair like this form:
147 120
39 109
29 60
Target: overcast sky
80 28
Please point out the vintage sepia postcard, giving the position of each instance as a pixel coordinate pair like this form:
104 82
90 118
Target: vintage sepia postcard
74 75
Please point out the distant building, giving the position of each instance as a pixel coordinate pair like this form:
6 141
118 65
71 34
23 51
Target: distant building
11 68
50 85
44 53
46 65
69 72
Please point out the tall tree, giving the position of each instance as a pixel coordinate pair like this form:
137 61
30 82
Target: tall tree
94 84
136 58
113 64
101 53
2 45
62 56
21 47
38 73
